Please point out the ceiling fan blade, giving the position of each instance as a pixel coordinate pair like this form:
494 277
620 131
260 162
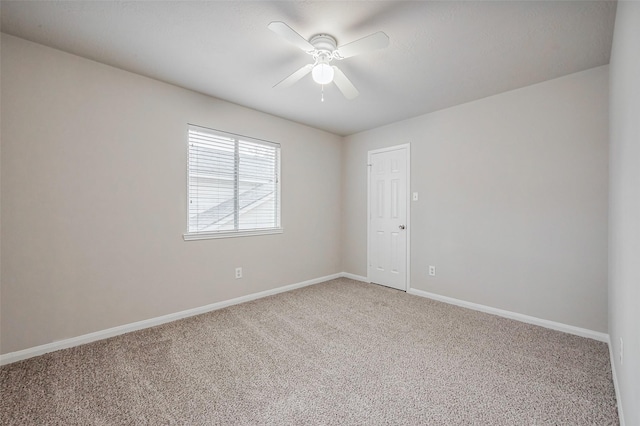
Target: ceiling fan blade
286 32
293 78
366 44
344 84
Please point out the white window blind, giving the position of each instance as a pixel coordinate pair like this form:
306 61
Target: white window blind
234 185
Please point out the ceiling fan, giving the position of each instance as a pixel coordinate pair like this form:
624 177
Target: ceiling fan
323 49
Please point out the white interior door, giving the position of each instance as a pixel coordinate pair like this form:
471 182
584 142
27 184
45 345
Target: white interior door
388 217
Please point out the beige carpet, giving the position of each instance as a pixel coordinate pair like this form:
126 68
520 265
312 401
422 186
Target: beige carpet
340 352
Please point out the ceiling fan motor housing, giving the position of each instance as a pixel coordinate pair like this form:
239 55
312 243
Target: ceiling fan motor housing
324 44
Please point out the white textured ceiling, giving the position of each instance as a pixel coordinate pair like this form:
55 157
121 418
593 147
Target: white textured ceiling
440 53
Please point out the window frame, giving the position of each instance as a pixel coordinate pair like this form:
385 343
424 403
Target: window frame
190 236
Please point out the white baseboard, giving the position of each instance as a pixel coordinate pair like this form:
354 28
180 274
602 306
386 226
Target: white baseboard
355 277
615 382
583 332
152 322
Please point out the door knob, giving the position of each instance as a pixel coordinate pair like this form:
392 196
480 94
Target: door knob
401 226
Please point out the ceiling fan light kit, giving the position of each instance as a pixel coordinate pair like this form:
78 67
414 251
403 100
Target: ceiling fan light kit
323 48
322 73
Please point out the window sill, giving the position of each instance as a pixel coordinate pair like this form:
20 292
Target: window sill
214 235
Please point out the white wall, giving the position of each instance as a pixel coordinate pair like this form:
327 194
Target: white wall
512 203
94 200
624 207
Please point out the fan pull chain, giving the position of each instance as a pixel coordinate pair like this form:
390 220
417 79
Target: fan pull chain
322 94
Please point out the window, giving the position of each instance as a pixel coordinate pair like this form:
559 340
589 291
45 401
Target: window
234 185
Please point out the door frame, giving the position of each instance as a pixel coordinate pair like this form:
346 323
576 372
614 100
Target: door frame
407 148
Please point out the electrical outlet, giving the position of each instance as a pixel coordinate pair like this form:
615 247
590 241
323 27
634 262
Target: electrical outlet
432 270
621 351
238 273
